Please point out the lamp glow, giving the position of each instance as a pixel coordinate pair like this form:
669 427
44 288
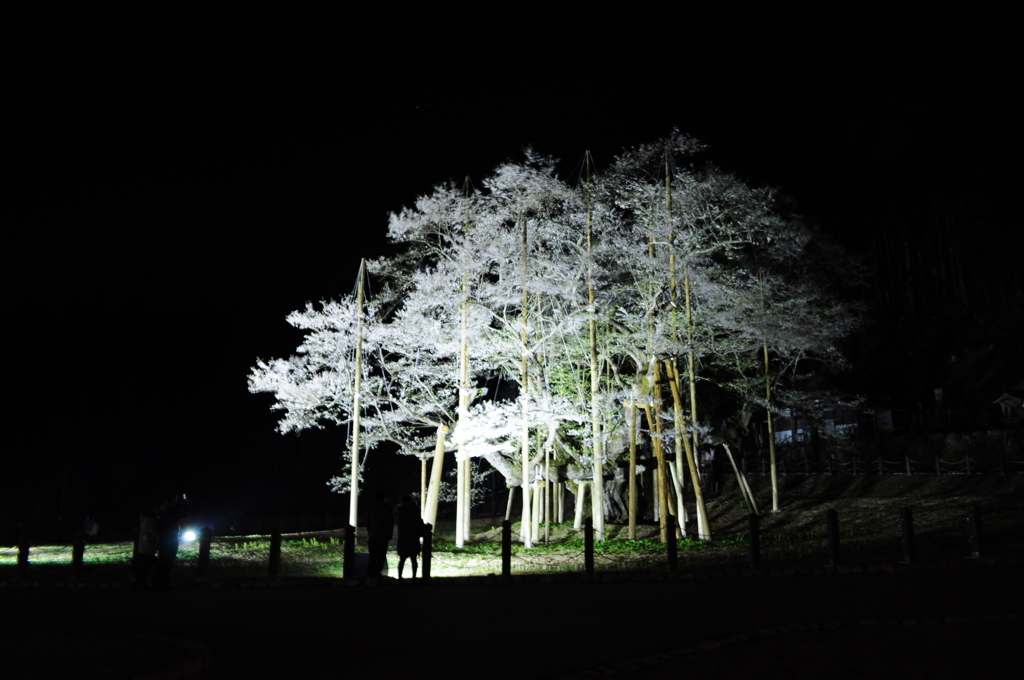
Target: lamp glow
190 535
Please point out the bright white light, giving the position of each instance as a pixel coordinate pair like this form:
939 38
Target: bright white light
190 535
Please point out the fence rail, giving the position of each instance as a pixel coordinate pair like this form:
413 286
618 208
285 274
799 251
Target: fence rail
527 561
938 465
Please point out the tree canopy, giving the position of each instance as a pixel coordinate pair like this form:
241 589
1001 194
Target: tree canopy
680 274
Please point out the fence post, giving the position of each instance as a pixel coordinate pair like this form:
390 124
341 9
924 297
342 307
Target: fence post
23 549
754 524
506 547
428 548
967 462
909 545
974 530
832 523
854 465
938 466
588 545
348 552
670 544
881 470
203 563
78 553
829 467
274 562
909 471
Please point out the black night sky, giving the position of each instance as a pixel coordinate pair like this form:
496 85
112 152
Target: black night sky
178 192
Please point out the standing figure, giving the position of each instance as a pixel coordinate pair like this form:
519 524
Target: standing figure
145 549
168 526
410 530
380 526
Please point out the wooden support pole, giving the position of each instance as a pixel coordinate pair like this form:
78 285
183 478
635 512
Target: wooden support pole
974 530
588 545
203 562
907 530
23 550
78 554
506 548
938 466
348 553
832 524
670 542
428 548
967 463
881 470
274 561
754 532
909 471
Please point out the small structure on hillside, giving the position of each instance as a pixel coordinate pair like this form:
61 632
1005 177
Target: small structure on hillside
1011 405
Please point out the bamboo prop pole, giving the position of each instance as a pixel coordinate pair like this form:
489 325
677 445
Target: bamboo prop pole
524 384
676 501
580 495
703 525
690 359
460 508
659 455
353 504
632 470
463 474
547 495
657 497
597 493
423 483
430 516
680 423
768 398
508 506
535 526
741 481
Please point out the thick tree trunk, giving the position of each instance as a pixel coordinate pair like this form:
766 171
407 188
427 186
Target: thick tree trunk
430 516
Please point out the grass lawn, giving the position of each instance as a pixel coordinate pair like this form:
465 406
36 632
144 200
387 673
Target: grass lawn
868 507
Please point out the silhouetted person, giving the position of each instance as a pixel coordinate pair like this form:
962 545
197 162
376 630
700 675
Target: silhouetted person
89 527
144 556
410 530
168 526
380 526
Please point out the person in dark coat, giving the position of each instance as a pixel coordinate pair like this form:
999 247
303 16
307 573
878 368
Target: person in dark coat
146 541
168 527
410 530
380 527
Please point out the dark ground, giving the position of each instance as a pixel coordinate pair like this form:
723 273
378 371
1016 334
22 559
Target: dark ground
448 630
